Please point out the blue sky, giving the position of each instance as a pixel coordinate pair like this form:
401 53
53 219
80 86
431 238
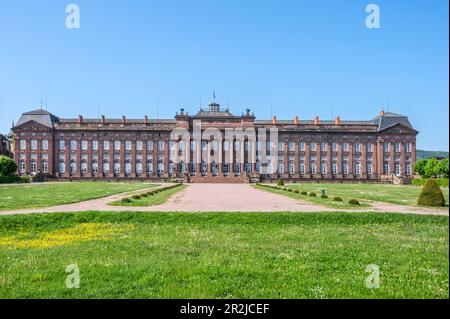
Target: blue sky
304 58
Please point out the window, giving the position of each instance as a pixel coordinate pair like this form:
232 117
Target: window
44 165
345 168
386 147
408 147
291 146
139 145
323 168
33 145
397 147
246 145
333 147
302 146
45 145
33 166
182 146
345 147
369 147
291 167
280 167
357 168
258 166
62 145
116 167
128 145
171 167
150 165
84 145
149 145
397 169
386 168
193 146
225 145
22 166
369 168
204 145
204 167
117 145
312 147
334 168
105 167
226 169
22 145
94 167
237 146
193 169
237 169
408 169
106 145
95 145
160 166
357 147
312 168
73 167
127 166
302 168
183 167
160 145
73 145
280 147
323 147
215 168
62 167
83 167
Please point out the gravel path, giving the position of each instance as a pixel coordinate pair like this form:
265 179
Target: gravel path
221 197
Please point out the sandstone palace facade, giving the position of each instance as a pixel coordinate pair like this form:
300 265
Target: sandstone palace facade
380 149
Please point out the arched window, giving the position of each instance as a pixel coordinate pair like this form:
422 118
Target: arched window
22 167
215 168
204 168
138 167
127 167
73 167
44 165
116 167
171 167
182 167
33 166
94 167
357 168
105 167
83 166
62 167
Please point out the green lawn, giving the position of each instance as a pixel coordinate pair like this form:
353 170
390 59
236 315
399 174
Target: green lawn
224 255
395 194
150 200
50 194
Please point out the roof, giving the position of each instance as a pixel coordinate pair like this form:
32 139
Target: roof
40 116
389 119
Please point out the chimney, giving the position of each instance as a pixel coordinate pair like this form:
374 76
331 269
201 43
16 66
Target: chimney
274 120
80 119
296 120
123 119
145 119
316 120
382 113
337 121
103 119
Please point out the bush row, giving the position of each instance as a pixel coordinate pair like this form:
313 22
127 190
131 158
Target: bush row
443 182
14 179
149 193
312 194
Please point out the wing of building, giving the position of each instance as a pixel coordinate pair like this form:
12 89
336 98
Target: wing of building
215 145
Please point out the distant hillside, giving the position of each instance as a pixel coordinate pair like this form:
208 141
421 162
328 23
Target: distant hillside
421 154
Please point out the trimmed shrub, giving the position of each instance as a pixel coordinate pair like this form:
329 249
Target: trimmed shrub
136 197
353 201
14 179
303 193
289 190
280 182
312 194
431 194
126 200
7 166
324 196
337 199
296 191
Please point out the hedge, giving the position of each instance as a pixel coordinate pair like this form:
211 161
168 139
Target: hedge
14 179
443 182
431 194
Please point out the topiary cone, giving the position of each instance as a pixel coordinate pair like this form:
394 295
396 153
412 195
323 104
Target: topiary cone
431 194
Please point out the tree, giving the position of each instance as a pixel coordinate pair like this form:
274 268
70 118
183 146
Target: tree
419 167
7 166
431 194
431 168
443 168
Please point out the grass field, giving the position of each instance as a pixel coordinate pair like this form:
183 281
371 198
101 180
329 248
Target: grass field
50 194
365 193
150 200
224 255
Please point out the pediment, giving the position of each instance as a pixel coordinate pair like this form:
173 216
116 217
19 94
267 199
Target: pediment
32 126
399 128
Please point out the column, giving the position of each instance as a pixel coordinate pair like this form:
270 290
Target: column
307 160
391 158
38 154
363 160
220 159
380 157
329 160
89 159
241 157
402 159
144 158
51 159
111 158
285 149
166 157
155 157
318 161
231 158
350 160
133 158
339 160
413 156
67 157
100 158
296 159
78 158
